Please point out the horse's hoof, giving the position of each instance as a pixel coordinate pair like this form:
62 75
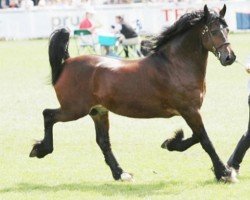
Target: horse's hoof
169 144
164 144
237 171
39 150
33 153
126 177
172 143
231 178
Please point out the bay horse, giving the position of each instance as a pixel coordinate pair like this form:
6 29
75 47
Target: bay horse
168 82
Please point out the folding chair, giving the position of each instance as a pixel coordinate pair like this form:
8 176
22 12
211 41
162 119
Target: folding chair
84 39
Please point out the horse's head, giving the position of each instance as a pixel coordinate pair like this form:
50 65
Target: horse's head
215 36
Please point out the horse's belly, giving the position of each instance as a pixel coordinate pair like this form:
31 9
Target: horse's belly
142 111
145 114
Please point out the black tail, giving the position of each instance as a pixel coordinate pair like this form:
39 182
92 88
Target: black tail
58 52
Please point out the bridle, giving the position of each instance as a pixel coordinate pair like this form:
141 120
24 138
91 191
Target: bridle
214 48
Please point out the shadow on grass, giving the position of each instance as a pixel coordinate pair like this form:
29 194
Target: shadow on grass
125 189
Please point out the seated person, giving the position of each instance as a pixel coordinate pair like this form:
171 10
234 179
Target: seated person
128 35
88 22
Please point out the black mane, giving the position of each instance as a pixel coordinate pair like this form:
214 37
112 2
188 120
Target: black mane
185 22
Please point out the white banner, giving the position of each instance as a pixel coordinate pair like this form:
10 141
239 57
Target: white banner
40 22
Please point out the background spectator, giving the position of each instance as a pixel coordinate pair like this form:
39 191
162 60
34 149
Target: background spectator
89 22
128 35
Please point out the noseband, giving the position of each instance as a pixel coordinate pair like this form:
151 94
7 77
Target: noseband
214 48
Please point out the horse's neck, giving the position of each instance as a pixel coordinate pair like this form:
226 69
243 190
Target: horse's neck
189 51
189 45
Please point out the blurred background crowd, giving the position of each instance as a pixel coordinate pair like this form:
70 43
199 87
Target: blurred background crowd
45 3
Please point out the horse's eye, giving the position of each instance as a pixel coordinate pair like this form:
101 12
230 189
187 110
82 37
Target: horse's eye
215 32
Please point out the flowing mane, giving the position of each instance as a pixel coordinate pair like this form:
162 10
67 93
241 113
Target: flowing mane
185 22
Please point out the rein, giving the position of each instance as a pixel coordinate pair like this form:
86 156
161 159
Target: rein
214 48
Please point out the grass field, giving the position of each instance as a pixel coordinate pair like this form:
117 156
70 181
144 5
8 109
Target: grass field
76 169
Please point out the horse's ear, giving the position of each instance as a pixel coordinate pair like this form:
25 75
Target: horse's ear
206 12
223 11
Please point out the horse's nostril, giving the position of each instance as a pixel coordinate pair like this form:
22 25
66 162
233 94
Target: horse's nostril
228 58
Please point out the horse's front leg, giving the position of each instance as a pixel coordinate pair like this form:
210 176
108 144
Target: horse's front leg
177 143
194 120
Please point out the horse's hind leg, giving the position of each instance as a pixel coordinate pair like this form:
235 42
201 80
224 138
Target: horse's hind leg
100 117
51 116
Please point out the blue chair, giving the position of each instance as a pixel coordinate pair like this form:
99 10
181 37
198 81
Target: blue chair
107 40
108 45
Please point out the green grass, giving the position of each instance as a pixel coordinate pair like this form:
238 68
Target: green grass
76 169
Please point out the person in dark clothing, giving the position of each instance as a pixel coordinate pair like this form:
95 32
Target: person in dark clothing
244 143
128 35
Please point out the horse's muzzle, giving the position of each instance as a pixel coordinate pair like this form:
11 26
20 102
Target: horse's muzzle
228 59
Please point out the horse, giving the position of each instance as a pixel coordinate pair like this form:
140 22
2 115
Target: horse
168 82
